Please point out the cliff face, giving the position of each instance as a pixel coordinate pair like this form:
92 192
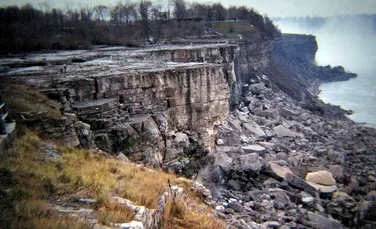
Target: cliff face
294 70
300 49
251 62
152 105
142 101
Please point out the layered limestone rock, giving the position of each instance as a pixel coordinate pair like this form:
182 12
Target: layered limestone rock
136 100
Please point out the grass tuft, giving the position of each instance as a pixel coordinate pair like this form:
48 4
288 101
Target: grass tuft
189 212
33 181
109 212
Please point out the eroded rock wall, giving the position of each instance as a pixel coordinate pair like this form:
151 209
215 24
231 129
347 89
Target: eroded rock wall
143 107
294 70
251 62
154 105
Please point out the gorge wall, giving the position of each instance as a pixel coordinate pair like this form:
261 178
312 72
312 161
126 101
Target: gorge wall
243 117
294 70
153 105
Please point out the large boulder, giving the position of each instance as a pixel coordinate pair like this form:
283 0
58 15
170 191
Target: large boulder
321 177
222 160
322 181
320 222
247 163
282 131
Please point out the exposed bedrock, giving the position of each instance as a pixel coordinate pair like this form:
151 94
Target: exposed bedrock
157 106
244 115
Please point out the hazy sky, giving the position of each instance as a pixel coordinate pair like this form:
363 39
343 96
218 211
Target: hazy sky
273 8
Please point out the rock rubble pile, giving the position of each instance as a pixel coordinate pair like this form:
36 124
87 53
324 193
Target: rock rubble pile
278 165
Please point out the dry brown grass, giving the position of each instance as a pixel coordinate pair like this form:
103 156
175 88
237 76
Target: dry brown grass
36 213
101 176
22 99
110 212
34 181
189 212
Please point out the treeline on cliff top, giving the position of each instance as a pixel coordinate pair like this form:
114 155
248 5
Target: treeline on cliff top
30 28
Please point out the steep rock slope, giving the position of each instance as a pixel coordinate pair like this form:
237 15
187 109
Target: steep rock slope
294 70
285 159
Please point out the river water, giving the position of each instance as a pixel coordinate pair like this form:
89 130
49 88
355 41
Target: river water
355 50
357 53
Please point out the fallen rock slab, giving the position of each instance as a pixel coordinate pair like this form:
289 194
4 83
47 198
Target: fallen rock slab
278 170
254 149
324 189
254 129
268 145
320 222
321 177
282 131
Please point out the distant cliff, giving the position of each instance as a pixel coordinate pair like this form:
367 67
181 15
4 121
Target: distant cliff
293 68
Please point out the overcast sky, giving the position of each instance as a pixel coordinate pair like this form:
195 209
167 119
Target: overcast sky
273 8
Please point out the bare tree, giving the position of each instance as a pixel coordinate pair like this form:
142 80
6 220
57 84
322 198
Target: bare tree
86 12
101 12
180 9
219 12
144 12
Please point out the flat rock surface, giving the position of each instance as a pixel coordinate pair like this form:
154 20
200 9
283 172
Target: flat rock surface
321 177
282 131
279 170
253 149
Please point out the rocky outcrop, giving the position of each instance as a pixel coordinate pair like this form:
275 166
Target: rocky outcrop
67 129
140 102
293 67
